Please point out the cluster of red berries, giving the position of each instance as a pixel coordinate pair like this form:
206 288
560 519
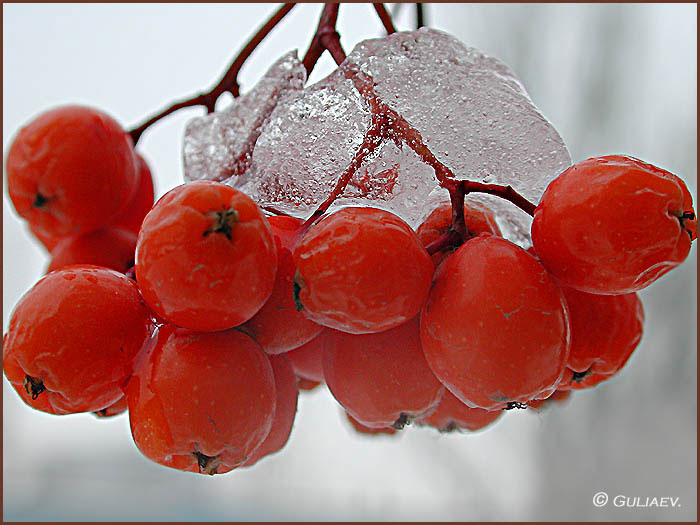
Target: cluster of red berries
229 312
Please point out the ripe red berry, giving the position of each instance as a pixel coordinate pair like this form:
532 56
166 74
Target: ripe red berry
362 429
307 384
381 379
495 328
48 241
201 401
307 360
285 409
605 330
451 414
205 257
477 218
612 225
278 326
108 247
72 339
116 408
141 201
362 270
558 397
71 170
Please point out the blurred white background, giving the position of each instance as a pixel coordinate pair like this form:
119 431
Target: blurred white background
612 79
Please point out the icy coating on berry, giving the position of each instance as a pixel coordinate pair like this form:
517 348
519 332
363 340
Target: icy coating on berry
470 109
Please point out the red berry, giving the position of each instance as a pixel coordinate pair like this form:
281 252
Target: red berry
72 339
362 270
605 330
205 257
477 217
116 408
558 396
48 241
201 401
362 429
307 384
381 379
278 326
71 170
109 247
451 414
141 202
285 409
307 360
495 328
613 225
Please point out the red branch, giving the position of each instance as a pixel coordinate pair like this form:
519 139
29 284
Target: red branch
385 17
325 38
372 139
228 82
388 124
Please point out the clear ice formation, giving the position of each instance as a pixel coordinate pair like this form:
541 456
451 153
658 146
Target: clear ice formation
470 109
219 145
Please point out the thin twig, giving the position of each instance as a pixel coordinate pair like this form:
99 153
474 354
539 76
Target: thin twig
385 17
420 16
325 38
228 82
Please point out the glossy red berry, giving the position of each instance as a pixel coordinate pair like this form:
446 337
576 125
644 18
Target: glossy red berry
381 379
72 339
307 384
495 328
451 414
361 270
141 201
116 408
278 326
201 401
285 409
368 431
70 170
558 397
48 241
605 330
307 360
108 247
477 217
613 225
205 258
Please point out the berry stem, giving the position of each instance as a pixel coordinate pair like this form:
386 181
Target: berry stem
372 139
504 192
385 17
325 38
388 124
228 82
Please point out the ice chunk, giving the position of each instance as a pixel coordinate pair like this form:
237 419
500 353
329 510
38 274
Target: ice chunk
305 146
218 146
470 110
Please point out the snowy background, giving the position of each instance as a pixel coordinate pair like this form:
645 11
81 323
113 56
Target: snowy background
611 78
